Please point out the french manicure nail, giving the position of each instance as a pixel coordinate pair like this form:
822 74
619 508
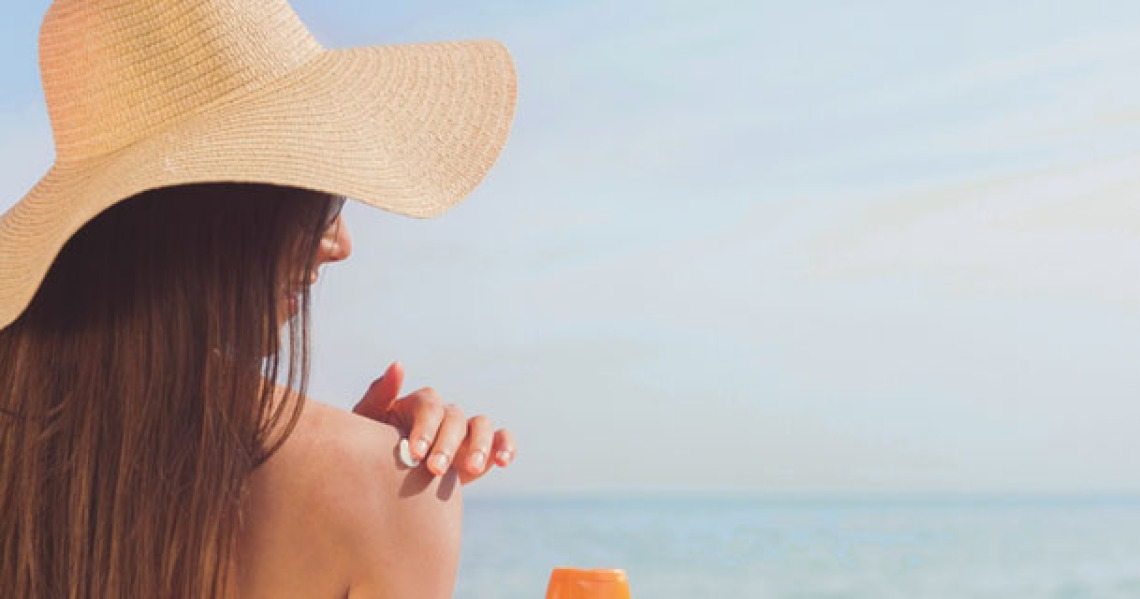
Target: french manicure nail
440 462
504 457
420 448
476 459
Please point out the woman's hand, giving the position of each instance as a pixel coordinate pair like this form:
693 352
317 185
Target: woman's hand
435 430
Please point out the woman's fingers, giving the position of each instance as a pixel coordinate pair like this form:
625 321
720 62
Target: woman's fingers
476 454
427 416
452 432
442 437
504 450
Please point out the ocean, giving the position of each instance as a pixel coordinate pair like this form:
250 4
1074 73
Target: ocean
809 547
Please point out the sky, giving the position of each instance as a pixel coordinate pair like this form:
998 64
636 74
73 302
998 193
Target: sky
757 247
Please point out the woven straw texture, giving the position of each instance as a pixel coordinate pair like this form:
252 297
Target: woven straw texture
152 93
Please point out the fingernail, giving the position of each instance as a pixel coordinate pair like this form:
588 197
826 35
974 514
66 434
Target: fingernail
440 462
504 457
476 459
420 448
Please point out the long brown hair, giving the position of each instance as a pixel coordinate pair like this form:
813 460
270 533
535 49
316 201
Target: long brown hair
134 402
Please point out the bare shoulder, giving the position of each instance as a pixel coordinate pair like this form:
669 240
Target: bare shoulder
352 514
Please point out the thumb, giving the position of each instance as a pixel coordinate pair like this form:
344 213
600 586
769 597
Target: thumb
381 393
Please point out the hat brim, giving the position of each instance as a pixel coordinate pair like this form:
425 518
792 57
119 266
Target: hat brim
410 129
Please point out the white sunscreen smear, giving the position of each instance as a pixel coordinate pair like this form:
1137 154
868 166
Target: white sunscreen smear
406 454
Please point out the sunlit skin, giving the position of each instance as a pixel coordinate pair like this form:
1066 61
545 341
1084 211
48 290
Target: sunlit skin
436 431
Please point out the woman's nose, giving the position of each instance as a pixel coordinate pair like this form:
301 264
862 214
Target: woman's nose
336 245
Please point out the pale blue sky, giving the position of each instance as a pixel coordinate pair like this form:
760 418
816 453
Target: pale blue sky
759 247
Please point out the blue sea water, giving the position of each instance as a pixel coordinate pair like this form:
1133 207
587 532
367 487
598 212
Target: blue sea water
882 548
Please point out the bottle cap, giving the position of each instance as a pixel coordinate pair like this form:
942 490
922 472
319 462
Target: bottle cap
576 583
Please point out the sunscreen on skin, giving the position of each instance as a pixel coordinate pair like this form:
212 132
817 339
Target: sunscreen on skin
405 453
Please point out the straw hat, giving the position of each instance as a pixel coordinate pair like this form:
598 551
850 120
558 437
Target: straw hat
152 93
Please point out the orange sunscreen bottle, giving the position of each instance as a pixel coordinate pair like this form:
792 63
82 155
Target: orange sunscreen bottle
575 583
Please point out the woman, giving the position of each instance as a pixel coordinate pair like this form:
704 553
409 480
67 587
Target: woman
148 446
